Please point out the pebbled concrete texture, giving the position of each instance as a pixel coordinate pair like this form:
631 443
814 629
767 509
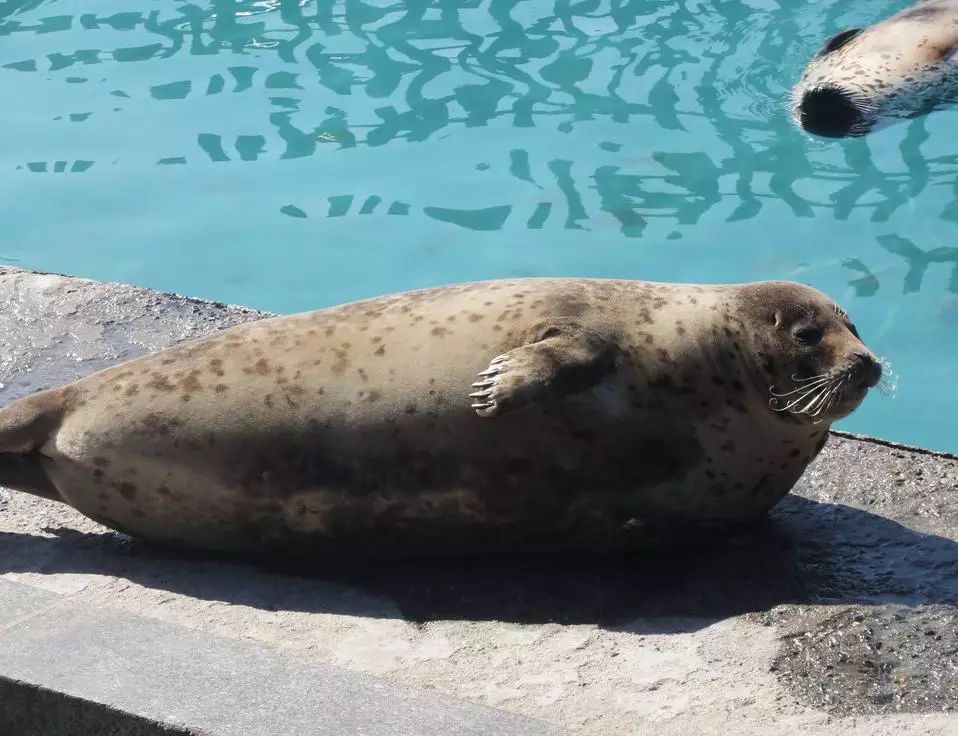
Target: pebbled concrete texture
814 622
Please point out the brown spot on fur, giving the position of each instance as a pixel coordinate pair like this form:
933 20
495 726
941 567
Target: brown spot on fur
380 351
128 491
191 383
163 491
220 388
438 331
342 362
160 382
101 462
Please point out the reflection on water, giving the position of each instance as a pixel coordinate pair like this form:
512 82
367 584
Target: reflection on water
413 70
626 137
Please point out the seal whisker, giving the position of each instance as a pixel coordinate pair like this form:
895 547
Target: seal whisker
815 400
799 389
798 400
808 378
820 394
888 385
836 394
827 399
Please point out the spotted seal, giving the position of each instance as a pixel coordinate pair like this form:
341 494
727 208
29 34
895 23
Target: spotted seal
900 67
555 414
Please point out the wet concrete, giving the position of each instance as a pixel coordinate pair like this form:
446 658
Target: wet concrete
757 633
876 660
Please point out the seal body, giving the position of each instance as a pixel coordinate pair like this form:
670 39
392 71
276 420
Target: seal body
902 66
539 413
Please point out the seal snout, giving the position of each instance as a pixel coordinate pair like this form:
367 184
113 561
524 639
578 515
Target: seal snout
868 371
829 112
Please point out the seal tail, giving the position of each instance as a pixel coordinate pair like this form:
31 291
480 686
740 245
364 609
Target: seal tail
25 426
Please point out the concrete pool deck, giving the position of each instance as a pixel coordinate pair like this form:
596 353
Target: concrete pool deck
839 616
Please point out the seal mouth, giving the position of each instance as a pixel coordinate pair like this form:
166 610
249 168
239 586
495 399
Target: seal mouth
832 395
831 113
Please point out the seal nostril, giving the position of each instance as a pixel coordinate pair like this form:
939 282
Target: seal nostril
870 370
829 112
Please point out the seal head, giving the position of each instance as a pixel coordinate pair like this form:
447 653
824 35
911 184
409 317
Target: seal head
901 67
813 366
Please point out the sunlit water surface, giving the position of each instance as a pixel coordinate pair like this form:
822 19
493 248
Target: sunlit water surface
293 155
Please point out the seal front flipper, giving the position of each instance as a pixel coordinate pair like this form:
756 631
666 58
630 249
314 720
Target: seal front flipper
565 359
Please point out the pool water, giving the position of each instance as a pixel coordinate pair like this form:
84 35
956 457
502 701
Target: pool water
293 155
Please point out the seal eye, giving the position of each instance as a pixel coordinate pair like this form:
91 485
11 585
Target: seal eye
838 40
852 329
807 335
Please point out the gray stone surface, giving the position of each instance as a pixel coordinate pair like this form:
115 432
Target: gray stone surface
713 641
184 679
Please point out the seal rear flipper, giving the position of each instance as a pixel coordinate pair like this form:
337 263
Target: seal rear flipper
565 360
25 426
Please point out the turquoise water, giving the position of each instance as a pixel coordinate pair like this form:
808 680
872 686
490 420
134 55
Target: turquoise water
292 155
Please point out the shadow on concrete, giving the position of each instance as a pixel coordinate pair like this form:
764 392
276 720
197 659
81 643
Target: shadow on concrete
806 552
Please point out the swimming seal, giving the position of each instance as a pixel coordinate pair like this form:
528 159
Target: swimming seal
538 414
901 67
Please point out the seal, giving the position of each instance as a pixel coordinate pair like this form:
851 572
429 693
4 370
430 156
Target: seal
900 67
580 415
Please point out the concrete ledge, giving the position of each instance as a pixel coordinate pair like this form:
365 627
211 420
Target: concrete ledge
115 671
29 710
813 623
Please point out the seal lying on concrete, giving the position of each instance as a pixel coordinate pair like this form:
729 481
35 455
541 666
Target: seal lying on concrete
550 414
903 66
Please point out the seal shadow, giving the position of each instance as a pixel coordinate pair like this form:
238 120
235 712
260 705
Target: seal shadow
805 552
